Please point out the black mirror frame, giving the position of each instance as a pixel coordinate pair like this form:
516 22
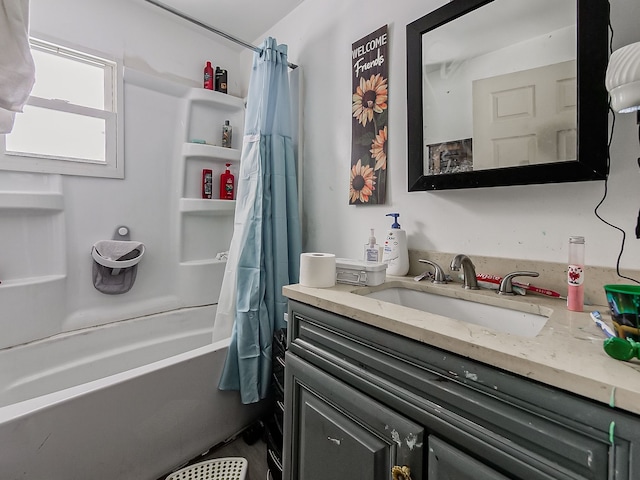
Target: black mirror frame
592 148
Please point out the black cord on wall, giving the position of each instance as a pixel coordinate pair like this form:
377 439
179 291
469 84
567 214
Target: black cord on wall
638 220
604 196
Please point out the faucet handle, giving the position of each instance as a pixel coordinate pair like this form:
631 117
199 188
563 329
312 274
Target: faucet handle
439 276
506 285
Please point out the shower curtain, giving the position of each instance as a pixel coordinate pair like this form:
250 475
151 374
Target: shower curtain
266 244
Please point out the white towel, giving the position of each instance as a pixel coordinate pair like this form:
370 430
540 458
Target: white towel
6 121
17 71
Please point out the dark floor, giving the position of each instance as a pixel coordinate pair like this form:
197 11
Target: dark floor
256 455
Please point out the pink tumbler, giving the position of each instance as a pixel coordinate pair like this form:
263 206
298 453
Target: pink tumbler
575 275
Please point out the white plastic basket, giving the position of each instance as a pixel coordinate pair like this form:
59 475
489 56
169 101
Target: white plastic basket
229 468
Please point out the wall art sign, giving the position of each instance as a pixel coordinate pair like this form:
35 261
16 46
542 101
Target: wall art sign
368 174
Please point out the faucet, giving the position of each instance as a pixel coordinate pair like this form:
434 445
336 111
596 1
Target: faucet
506 285
468 271
438 273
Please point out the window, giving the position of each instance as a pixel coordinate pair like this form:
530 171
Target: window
72 122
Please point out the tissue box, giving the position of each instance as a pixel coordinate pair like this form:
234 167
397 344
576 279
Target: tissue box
359 272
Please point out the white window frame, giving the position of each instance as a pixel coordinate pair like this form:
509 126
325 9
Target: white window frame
113 166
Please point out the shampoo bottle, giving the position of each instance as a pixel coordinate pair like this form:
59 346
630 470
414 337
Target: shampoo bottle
396 254
226 134
227 186
207 183
372 250
208 76
221 80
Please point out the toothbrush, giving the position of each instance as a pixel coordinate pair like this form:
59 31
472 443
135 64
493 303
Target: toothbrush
485 277
597 318
541 291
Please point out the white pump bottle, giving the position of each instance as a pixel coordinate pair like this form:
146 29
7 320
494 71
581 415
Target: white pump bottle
395 253
372 251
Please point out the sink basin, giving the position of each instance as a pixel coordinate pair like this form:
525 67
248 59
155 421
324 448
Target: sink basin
501 319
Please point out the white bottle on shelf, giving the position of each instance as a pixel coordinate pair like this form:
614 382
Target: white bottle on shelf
372 251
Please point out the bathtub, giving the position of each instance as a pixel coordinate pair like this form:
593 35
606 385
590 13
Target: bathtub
129 400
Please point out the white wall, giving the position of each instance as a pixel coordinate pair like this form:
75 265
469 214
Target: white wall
157 43
528 222
146 37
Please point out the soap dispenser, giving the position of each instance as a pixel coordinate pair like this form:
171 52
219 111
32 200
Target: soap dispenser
395 253
372 249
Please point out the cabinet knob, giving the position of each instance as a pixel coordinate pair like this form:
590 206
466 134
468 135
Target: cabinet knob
401 473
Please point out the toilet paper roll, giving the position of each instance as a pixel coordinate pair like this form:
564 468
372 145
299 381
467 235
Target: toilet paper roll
317 270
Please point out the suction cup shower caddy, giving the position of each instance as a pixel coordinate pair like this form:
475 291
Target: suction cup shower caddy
115 264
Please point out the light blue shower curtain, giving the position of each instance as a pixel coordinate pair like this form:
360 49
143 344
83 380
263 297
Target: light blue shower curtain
266 240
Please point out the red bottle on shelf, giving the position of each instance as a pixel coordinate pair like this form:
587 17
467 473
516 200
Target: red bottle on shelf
227 186
209 78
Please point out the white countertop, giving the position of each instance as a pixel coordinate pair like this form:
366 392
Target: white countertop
567 353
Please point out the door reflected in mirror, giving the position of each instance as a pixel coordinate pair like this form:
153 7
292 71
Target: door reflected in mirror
499 83
513 92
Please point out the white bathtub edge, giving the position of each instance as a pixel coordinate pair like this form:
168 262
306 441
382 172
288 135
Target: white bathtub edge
27 407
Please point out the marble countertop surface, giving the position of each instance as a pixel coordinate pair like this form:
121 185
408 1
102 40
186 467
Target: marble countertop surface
567 353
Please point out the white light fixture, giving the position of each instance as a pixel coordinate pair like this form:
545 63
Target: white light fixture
623 83
623 78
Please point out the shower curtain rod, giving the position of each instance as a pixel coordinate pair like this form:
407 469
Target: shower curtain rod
211 29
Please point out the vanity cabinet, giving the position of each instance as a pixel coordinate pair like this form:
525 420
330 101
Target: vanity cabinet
447 462
360 400
342 433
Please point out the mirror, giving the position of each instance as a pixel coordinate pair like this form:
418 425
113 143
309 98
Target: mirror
507 92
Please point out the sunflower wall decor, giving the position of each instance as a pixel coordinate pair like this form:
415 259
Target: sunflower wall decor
368 174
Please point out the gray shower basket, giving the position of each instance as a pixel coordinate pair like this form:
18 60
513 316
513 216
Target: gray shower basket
228 468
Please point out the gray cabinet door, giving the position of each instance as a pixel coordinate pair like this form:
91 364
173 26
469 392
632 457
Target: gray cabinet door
334 431
449 463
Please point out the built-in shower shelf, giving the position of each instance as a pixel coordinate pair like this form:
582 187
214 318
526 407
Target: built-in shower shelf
21 282
207 206
205 226
199 150
218 100
202 263
31 201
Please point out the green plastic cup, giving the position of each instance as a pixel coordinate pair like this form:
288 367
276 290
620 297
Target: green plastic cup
624 307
